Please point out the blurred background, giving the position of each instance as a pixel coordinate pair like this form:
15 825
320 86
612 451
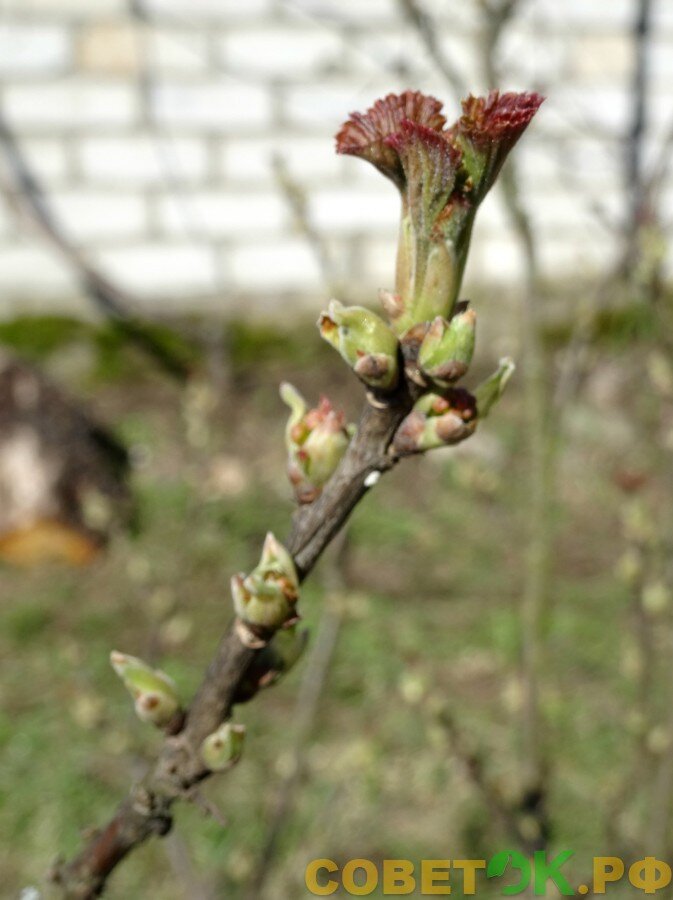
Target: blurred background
489 663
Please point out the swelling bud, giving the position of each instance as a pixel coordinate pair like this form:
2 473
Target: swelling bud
154 693
316 440
436 421
364 341
448 347
267 596
223 748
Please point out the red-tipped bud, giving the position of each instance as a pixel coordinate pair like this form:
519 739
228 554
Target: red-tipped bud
316 441
437 421
486 132
364 134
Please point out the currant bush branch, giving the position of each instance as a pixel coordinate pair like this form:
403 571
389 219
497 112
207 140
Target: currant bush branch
409 365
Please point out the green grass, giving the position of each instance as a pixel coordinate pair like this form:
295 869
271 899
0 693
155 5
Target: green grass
432 612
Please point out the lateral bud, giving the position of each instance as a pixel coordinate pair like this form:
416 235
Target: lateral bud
223 748
447 349
490 391
154 693
267 596
364 341
436 421
316 440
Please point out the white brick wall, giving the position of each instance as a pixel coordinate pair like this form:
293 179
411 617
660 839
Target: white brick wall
50 107
172 50
281 52
270 266
356 210
34 50
250 161
156 138
212 106
64 9
89 217
31 271
141 160
199 11
226 214
172 269
48 157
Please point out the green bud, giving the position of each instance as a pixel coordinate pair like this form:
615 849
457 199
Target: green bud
223 748
490 391
436 421
154 693
316 441
364 341
448 347
275 559
266 597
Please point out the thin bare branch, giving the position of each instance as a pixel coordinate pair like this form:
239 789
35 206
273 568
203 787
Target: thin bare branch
295 197
428 33
27 196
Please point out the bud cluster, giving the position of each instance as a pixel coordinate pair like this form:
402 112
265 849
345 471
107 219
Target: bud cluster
443 172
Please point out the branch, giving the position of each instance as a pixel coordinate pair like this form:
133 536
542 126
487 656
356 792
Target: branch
637 196
146 811
412 406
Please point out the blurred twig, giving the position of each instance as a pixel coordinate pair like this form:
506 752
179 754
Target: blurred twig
428 32
641 281
626 276
634 174
295 196
495 18
180 862
500 808
216 341
26 195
